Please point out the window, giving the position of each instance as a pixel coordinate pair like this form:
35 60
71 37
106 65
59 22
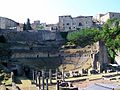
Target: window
69 27
31 48
68 24
52 28
78 28
37 56
80 24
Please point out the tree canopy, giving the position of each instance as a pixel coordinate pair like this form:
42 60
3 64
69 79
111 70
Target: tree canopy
110 34
83 37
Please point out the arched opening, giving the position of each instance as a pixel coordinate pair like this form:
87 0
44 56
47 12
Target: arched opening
2 39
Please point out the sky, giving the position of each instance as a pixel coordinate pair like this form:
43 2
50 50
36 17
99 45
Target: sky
49 10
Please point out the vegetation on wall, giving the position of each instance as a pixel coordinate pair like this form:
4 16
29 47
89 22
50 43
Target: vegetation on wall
64 34
39 28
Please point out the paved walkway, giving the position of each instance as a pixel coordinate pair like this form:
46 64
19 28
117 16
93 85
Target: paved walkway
26 84
90 77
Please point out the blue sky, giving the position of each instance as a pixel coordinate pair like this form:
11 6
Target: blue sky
49 10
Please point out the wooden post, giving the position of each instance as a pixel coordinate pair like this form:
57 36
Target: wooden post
57 85
33 76
46 83
50 76
56 75
42 87
39 79
12 76
36 77
93 61
63 78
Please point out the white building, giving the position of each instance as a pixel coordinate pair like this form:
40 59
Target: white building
67 23
82 22
102 18
51 27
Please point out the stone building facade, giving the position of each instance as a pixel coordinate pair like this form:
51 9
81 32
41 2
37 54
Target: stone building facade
102 18
6 23
67 23
52 27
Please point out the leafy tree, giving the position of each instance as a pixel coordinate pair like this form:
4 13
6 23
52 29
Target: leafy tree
110 34
83 37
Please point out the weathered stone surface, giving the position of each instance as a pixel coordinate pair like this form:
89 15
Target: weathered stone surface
30 36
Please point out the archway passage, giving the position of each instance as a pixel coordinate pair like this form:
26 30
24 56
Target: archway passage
15 72
2 39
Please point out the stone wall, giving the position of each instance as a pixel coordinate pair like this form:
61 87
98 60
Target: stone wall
33 55
30 36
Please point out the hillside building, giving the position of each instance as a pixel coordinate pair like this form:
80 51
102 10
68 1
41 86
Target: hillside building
51 27
68 23
6 23
102 18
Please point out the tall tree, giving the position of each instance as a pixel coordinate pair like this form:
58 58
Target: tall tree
28 25
24 27
110 34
